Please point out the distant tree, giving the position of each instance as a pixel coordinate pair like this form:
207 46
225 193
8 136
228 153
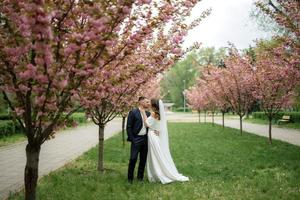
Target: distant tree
181 76
275 82
187 70
264 22
210 56
3 104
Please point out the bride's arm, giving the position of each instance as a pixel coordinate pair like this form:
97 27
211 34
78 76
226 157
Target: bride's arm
145 119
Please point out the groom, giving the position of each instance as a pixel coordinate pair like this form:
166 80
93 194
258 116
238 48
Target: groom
137 135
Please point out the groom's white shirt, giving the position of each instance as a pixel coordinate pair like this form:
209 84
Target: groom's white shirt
143 131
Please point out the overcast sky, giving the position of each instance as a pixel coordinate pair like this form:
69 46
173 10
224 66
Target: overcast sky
229 21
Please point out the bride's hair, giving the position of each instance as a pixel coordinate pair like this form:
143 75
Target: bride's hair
155 107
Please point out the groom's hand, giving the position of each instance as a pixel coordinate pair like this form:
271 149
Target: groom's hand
156 132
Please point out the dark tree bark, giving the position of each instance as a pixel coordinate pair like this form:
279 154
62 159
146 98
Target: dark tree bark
270 130
223 124
101 149
204 116
213 118
31 171
241 124
123 130
199 113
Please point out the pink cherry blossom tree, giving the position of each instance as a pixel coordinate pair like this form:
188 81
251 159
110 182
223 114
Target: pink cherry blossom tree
212 76
49 50
194 97
286 14
275 81
238 83
275 89
198 99
151 90
154 50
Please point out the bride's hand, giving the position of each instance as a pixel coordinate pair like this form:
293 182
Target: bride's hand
142 110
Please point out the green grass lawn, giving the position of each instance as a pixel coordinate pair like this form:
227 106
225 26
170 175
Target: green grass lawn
261 121
6 140
221 164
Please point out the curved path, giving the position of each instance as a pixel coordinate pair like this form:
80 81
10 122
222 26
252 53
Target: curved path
291 136
55 153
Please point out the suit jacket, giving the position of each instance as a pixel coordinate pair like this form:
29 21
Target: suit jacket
134 124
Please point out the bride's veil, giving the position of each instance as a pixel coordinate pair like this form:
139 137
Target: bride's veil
164 135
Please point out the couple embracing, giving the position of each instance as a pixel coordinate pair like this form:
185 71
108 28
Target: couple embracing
148 134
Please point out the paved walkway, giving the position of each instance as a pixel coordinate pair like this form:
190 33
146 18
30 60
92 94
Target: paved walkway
291 136
55 153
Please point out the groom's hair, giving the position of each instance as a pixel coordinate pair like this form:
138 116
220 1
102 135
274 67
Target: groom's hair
141 98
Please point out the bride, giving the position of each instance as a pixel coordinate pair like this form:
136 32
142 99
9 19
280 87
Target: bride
160 165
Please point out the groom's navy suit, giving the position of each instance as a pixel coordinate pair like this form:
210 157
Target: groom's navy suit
139 143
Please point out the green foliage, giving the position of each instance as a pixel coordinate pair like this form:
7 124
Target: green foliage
179 78
265 23
181 109
7 128
184 73
210 56
76 118
4 116
221 164
295 116
297 99
11 139
3 105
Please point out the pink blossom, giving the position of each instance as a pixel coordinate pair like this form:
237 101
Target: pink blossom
42 79
62 84
19 111
23 88
176 51
126 10
39 101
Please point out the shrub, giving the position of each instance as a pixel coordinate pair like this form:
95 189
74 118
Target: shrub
4 116
76 118
7 128
181 109
295 116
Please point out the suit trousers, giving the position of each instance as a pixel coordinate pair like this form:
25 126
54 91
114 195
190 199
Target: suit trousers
139 147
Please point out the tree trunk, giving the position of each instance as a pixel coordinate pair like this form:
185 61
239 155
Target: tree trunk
241 124
14 124
223 124
213 118
101 149
123 130
199 113
270 130
205 116
31 171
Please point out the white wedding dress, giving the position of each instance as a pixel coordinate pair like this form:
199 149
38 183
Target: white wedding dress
160 165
